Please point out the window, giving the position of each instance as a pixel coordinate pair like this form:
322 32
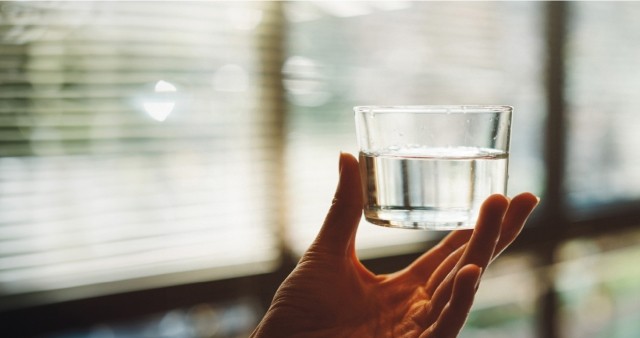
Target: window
171 160
603 79
422 53
135 148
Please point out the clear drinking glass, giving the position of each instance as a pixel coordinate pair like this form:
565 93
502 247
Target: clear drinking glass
431 167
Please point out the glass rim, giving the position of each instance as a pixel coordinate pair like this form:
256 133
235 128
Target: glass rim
434 109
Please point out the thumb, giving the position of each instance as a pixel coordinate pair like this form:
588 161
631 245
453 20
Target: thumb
337 234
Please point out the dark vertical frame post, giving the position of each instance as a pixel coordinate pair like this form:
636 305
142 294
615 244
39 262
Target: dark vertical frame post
271 55
555 147
554 219
271 48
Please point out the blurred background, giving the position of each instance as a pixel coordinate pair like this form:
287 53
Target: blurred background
164 164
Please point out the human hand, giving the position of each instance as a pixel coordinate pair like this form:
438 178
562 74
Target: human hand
331 294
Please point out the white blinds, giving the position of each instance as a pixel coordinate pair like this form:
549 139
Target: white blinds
133 144
141 143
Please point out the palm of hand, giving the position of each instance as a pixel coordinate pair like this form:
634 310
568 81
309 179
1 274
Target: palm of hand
331 294
345 300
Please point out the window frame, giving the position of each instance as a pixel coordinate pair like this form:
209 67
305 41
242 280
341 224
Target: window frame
550 226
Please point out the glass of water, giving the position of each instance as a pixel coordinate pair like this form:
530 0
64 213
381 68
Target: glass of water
431 167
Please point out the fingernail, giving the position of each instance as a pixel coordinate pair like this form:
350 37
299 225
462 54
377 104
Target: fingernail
340 162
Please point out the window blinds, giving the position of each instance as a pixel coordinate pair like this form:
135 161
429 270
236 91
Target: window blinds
144 144
135 149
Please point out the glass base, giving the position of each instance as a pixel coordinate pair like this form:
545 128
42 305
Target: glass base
422 219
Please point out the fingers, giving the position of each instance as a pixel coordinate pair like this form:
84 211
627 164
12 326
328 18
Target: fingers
487 231
519 210
337 234
499 223
428 262
478 252
455 313
443 270
481 244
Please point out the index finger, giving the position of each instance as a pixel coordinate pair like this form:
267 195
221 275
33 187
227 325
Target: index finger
486 233
478 252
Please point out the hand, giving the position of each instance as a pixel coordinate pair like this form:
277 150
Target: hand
331 294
